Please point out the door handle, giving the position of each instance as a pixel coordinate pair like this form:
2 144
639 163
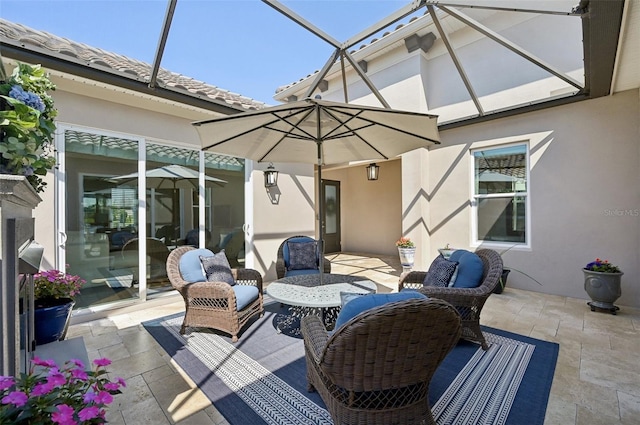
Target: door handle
63 239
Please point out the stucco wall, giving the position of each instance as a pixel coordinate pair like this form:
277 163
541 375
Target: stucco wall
371 210
585 201
291 212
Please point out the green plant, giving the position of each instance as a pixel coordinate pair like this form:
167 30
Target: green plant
68 395
602 266
405 243
26 124
55 284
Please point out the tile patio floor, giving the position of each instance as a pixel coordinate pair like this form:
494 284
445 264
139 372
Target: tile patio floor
597 379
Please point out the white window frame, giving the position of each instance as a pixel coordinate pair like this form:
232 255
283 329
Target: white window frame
500 246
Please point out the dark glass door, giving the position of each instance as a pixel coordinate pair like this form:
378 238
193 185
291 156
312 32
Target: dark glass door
331 214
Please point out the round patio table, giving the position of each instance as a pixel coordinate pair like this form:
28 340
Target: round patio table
305 295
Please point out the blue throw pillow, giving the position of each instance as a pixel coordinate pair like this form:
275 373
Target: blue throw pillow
365 302
217 268
470 269
440 272
303 255
190 265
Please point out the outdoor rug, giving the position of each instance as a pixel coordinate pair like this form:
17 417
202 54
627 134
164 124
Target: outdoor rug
261 379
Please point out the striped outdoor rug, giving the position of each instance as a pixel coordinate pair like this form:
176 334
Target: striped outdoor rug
261 379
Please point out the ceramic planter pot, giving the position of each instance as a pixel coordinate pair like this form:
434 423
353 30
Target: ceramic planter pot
603 289
51 322
407 257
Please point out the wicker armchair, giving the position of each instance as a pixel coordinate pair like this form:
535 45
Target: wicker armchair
377 367
468 301
281 262
213 304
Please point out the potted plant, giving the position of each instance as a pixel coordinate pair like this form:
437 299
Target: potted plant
26 124
54 293
602 282
407 252
48 394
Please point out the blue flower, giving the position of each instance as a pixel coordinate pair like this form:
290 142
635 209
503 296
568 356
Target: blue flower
28 98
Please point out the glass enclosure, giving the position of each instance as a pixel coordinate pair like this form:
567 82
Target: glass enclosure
102 224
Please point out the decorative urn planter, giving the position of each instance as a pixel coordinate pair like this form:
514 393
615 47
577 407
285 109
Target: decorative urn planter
407 258
603 289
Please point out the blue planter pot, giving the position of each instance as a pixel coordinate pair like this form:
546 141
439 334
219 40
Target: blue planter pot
51 323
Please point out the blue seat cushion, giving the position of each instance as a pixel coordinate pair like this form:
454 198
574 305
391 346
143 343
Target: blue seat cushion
191 267
217 268
303 255
470 269
365 302
440 272
245 295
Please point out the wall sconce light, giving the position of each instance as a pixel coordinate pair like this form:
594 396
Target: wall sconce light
270 176
372 171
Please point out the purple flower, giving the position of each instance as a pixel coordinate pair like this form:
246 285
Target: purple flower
104 397
121 382
78 363
46 363
111 386
6 382
102 362
42 389
56 378
17 398
89 397
64 415
79 374
89 413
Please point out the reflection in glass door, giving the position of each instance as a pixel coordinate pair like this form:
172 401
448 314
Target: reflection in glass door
101 216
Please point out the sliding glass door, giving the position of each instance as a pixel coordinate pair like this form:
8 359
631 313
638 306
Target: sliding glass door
119 241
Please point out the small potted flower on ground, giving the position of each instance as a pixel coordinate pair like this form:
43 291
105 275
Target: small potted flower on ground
407 251
602 282
55 293
65 395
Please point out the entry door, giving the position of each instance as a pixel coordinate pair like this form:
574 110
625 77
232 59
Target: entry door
331 214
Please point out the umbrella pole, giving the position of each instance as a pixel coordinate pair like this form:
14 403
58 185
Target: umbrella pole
320 194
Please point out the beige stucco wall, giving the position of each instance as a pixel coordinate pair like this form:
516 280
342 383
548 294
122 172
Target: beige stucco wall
291 212
371 211
585 202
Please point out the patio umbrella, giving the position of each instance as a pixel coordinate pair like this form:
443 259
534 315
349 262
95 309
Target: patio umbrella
321 132
170 177
173 177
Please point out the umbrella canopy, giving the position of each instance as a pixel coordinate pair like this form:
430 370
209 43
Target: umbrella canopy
170 177
319 132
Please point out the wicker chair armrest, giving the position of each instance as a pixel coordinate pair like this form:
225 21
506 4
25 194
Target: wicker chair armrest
456 296
315 335
247 277
208 290
412 280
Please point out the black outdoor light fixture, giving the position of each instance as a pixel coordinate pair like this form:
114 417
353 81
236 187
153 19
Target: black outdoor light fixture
372 171
270 176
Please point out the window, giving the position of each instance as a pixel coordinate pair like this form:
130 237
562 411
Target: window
500 194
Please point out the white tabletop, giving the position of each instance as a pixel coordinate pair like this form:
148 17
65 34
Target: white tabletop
306 291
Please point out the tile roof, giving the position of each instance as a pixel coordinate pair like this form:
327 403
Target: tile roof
123 66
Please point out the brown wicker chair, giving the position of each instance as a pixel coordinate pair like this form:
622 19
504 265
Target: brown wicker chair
213 304
157 253
468 301
281 267
376 368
